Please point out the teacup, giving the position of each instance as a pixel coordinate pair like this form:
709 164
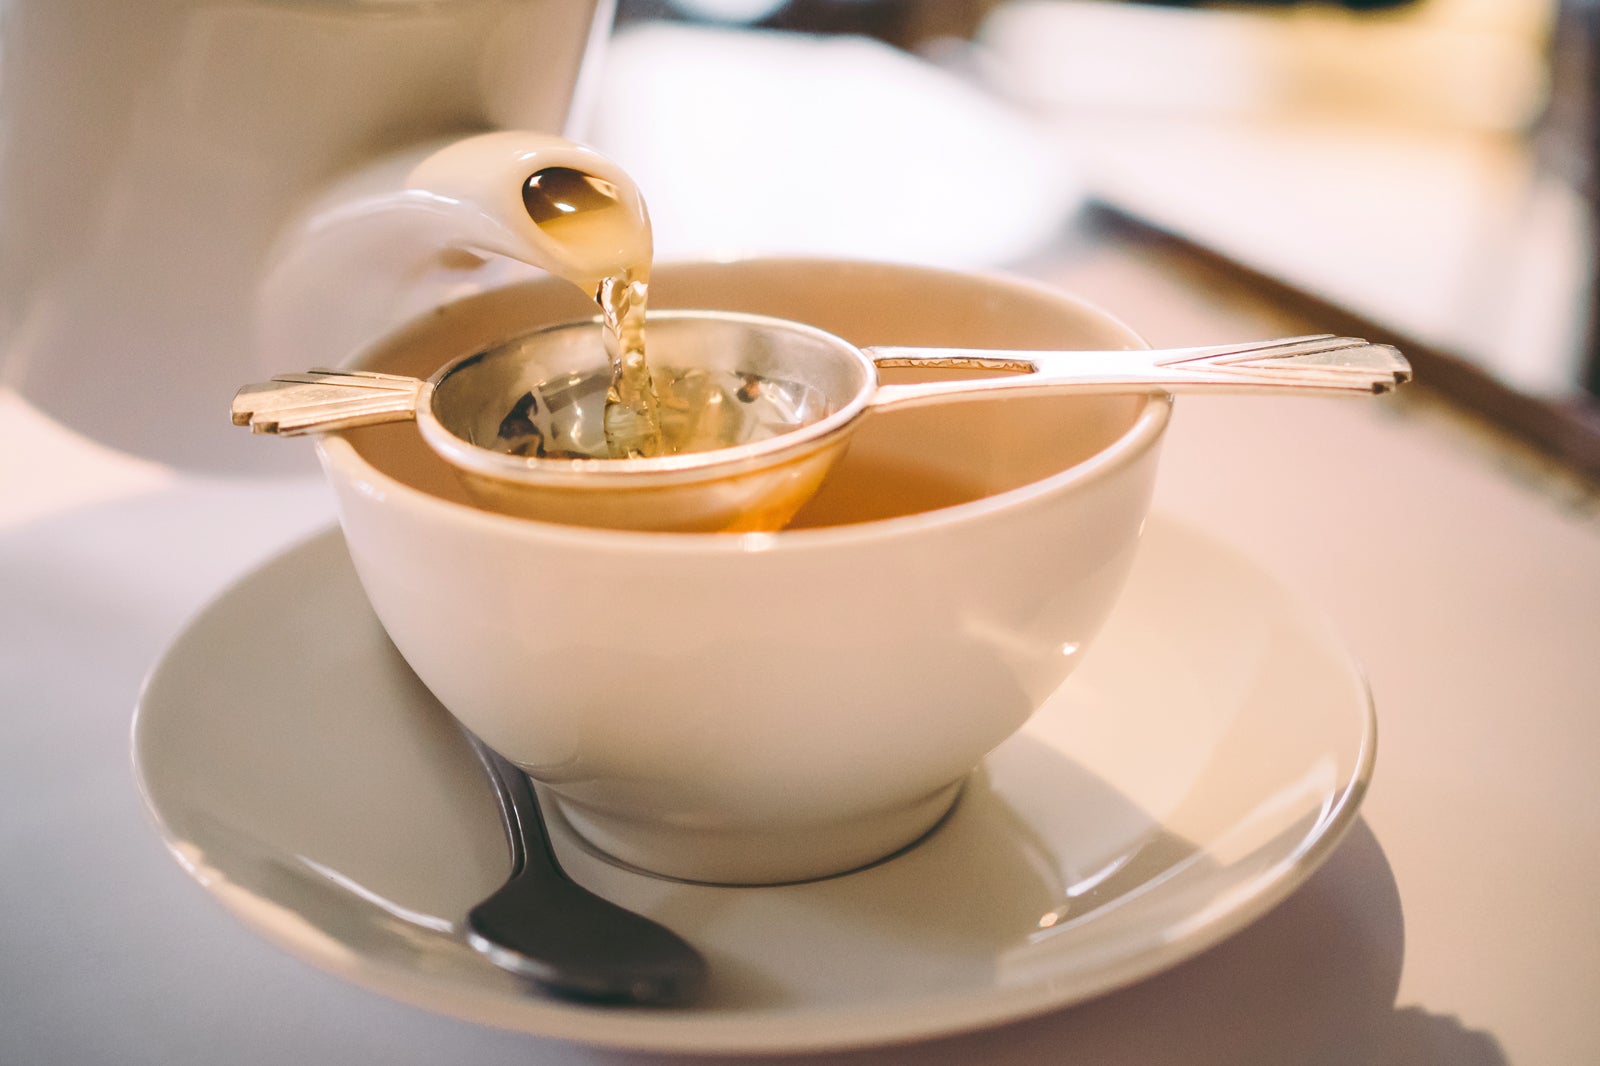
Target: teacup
770 707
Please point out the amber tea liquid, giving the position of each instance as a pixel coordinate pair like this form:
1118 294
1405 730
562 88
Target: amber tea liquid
609 240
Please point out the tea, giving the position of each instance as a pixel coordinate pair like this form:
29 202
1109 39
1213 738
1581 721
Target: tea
696 409
608 241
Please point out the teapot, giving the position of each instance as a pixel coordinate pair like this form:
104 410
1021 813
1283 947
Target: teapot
182 186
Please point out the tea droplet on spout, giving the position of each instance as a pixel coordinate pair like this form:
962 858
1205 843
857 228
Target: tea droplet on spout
561 192
599 229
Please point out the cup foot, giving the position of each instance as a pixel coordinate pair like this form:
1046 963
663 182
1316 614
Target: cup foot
757 855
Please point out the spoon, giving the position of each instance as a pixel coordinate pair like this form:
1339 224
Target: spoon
545 927
522 420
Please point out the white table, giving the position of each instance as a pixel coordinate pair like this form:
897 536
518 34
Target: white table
1457 923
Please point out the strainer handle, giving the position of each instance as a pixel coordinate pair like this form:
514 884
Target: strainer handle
322 400
1316 364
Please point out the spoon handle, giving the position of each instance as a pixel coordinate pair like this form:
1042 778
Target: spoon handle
321 400
1315 364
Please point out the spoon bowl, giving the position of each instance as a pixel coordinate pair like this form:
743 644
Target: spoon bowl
567 941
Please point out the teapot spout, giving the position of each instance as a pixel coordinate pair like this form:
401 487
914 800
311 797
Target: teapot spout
413 230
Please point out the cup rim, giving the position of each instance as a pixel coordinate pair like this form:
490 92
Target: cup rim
339 456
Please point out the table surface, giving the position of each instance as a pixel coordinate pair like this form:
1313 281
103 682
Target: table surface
1454 925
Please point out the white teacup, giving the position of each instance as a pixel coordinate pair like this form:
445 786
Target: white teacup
761 708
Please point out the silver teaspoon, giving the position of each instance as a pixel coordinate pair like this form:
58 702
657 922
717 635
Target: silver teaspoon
568 941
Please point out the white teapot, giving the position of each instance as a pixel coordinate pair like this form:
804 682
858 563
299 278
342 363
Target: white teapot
182 186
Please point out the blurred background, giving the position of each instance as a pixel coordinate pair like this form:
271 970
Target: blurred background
1417 170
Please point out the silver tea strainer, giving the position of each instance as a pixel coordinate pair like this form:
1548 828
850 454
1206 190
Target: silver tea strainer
759 407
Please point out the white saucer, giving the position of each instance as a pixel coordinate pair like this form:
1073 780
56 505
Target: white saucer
1203 761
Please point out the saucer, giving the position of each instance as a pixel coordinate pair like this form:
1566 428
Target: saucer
1203 760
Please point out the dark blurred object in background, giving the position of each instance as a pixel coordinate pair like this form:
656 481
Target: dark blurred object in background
1570 142
907 24
903 23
